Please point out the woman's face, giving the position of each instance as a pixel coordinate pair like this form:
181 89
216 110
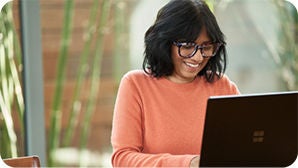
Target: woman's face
186 69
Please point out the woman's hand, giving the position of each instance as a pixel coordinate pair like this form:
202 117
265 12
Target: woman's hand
195 162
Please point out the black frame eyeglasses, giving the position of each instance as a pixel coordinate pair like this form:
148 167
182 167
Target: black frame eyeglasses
189 49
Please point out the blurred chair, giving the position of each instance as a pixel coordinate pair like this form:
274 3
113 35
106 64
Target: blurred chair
24 161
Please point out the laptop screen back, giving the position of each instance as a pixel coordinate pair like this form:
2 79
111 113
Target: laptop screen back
251 130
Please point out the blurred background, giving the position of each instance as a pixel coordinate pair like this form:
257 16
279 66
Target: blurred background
83 47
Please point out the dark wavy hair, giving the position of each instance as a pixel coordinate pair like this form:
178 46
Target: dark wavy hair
177 20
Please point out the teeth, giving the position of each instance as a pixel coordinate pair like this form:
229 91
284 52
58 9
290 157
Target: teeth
192 65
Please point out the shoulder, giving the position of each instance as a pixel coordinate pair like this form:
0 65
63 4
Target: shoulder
135 81
135 75
226 85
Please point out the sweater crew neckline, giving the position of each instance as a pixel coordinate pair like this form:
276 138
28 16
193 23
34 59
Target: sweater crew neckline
187 85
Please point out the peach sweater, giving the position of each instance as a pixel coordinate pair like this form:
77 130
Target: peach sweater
158 123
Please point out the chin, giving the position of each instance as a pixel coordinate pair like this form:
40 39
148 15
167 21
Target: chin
190 77
191 74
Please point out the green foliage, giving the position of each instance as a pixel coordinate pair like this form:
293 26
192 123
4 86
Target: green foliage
91 34
10 86
95 76
54 135
11 91
287 50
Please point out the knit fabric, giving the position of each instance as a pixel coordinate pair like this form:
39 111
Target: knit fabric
159 123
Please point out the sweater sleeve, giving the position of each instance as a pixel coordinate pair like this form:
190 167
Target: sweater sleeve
127 133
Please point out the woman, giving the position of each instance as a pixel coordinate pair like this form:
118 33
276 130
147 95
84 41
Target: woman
160 110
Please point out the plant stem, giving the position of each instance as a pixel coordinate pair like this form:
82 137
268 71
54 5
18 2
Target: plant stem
73 119
56 111
95 81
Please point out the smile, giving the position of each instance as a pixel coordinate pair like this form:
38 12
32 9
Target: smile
192 65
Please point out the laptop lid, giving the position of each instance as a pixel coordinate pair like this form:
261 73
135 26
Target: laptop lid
250 130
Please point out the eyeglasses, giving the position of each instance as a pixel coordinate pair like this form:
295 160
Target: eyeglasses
189 49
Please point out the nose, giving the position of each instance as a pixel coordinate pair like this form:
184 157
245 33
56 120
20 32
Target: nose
198 56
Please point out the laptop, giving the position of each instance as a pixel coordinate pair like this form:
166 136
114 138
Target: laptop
252 130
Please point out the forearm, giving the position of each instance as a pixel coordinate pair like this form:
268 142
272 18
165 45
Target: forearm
137 159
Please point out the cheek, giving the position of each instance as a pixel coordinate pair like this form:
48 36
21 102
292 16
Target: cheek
174 52
175 55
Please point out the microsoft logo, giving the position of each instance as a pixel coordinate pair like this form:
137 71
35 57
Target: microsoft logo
258 136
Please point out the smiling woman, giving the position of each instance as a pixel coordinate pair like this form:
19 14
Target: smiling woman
261 48
163 105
